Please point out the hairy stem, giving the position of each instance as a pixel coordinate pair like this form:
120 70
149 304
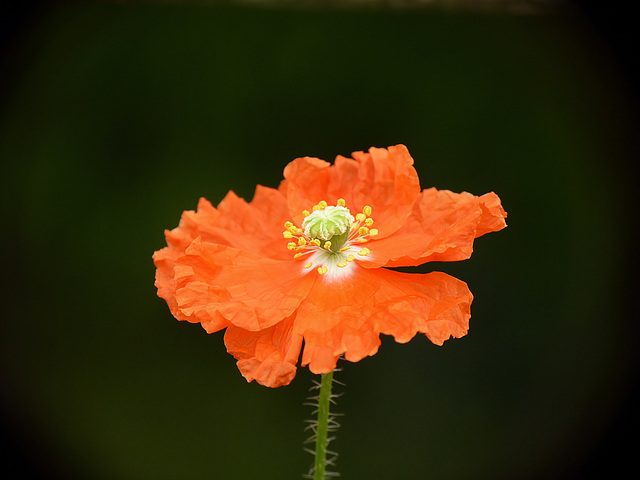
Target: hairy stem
324 401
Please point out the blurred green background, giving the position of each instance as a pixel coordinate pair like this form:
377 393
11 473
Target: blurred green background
121 116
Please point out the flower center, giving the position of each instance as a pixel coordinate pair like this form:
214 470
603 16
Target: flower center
329 224
330 237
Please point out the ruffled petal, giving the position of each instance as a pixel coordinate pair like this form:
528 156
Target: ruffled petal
389 184
493 215
384 179
165 260
251 292
309 180
255 226
348 319
323 349
268 356
435 304
192 225
442 227
333 319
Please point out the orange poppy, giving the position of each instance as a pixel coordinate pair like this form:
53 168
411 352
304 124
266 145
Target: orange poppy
306 263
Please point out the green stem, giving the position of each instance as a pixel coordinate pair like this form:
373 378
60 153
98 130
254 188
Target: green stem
324 401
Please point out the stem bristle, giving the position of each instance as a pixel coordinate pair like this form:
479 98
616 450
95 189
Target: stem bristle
321 426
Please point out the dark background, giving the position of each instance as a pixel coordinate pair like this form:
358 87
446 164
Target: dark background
117 117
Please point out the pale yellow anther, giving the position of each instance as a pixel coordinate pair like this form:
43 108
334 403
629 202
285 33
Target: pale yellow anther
295 230
344 249
341 202
288 225
327 245
373 232
308 265
316 208
298 255
367 210
350 258
322 270
342 264
322 204
368 222
287 234
363 240
363 231
291 245
302 242
364 252
306 213
316 242
360 217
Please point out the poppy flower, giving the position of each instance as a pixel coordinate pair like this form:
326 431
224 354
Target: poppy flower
308 263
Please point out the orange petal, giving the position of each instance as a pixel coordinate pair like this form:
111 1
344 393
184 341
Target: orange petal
255 226
348 319
249 291
192 225
435 304
165 260
333 320
442 227
309 180
493 214
196 224
382 178
322 349
268 356
389 184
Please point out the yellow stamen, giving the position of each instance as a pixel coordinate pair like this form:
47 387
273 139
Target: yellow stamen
327 245
364 252
298 255
287 234
316 242
341 202
350 258
308 265
342 264
360 217
363 231
322 270
306 213
373 232
368 222
367 210
322 204
291 245
302 242
363 240
344 249
288 225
